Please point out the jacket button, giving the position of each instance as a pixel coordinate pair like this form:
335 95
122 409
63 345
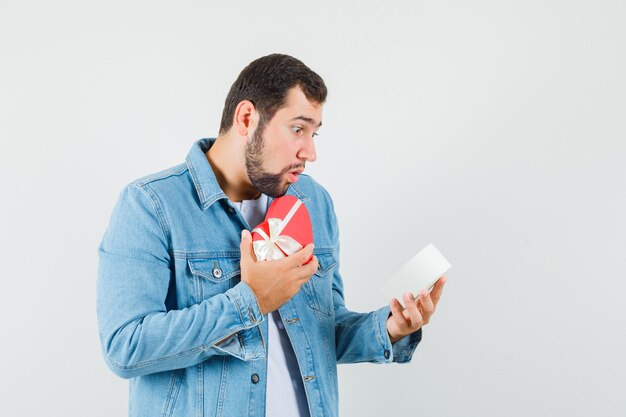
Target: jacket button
217 273
231 210
387 354
255 378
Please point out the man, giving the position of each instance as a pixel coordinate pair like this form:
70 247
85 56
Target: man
186 311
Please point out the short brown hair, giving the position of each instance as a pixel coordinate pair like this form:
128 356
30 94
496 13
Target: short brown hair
266 81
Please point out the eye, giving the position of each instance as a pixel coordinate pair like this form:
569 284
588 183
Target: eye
297 129
315 134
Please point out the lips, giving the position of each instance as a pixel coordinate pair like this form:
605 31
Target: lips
293 176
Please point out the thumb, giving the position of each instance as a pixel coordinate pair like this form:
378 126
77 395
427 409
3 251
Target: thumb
247 251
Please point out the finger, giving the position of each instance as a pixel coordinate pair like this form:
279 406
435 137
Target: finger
428 307
415 316
305 272
398 314
246 248
300 257
435 294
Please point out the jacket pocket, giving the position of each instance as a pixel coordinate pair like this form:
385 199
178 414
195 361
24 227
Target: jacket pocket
212 276
318 289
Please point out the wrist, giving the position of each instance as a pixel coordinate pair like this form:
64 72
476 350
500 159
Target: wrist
392 337
257 298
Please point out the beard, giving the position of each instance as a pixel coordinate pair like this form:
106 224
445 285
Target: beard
266 182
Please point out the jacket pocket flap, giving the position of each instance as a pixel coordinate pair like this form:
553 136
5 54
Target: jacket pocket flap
326 263
214 269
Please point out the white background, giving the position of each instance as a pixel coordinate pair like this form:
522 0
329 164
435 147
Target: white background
494 129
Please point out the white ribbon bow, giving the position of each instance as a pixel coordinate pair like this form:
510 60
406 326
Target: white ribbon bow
275 246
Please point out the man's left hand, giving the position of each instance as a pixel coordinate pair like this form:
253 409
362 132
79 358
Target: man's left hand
403 322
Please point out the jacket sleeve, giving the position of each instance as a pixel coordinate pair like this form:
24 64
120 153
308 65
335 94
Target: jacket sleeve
137 332
363 337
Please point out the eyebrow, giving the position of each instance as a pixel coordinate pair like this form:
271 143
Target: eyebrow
306 119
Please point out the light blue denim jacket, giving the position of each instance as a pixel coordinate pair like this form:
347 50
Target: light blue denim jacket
175 318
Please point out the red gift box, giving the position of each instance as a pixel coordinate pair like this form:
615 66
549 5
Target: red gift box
285 230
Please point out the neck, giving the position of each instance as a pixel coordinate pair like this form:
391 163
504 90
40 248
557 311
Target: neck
227 159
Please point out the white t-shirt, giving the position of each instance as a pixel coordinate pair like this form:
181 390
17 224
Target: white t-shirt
285 395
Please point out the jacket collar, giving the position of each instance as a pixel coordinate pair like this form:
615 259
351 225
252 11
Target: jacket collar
204 180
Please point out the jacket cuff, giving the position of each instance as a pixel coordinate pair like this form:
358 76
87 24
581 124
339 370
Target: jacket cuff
250 338
382 336
402 350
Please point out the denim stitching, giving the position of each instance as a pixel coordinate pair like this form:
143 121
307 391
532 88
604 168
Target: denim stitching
157 208
181 254
194 176
310 289
378 332
201 348
310 357
169 395
164 175
200 391
198 270
156 361
223 381
173 393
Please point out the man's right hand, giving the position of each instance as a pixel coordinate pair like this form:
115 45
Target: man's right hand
275 282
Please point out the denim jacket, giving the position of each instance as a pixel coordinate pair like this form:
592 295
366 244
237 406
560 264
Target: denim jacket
177 321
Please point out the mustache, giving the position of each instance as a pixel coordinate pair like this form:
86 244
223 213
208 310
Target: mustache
292 168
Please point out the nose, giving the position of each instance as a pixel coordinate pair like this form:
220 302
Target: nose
307 151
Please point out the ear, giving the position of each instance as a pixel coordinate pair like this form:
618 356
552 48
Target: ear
246 118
